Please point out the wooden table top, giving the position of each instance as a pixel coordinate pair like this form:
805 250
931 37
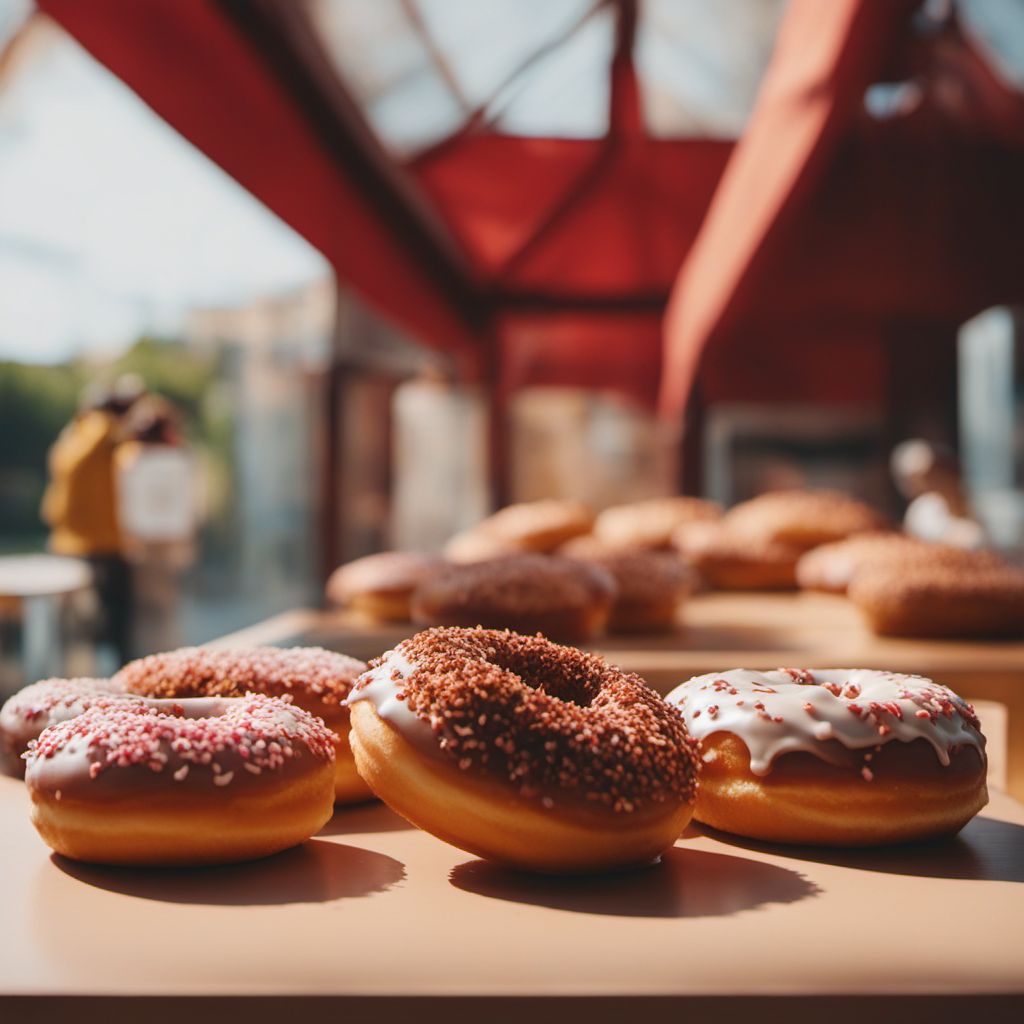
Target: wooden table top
717 631
375 909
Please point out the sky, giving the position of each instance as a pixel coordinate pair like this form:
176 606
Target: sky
111 224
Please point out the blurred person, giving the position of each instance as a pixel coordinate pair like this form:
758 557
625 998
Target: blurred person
80 503
155 485
928 476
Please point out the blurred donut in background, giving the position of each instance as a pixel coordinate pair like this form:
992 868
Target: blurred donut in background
562 598
651 523
726 561
538 526
801 519
651 587
379 587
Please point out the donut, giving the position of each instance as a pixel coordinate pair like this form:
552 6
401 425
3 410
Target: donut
801 519
938 600
726 561
476 545
562 598
379 587
835 757
29 711
650 586
520 751
539 526
651 523
832 567
190 782
317 681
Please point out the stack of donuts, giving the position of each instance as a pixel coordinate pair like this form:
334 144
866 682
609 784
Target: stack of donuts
514 748
546 566
553 567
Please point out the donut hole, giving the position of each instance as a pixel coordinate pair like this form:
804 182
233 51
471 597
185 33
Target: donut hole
561 681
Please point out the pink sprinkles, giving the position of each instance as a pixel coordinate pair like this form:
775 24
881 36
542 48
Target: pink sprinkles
266 732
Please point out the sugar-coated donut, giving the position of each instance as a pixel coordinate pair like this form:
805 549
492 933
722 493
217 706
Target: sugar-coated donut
379 587
32 709
539 526
838 757
317 681
940 600
728 562
562 598
801 519
521 751
651 523
202 781
832 567
650 587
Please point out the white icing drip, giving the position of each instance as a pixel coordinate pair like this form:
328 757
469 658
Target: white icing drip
382 686
801 716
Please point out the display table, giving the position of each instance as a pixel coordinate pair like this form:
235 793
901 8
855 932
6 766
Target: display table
376 920
719 631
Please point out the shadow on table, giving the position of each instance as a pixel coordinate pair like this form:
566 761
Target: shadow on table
369 817
986 850
684 883
316 872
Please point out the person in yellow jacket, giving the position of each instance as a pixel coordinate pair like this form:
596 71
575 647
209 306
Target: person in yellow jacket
80 507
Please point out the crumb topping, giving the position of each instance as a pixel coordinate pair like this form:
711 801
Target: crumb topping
517 585
200 672
546 718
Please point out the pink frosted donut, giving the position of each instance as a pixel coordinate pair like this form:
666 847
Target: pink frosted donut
163 782
317 680
28 712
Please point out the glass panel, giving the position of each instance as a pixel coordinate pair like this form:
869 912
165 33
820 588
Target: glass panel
701 64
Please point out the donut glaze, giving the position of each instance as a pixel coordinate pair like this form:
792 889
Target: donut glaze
29 711
195 781
316 679
843 756
522 751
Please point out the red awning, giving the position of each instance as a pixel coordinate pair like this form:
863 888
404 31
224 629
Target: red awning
535 223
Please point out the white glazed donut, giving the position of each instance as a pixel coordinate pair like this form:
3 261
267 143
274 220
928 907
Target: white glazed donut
833 756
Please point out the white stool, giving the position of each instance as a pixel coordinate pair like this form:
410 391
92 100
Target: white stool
38 582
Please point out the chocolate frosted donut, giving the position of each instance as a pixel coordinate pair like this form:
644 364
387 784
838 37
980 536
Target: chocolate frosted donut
379 587
559 597
650 586
316 679
31 710
199 781
523 751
